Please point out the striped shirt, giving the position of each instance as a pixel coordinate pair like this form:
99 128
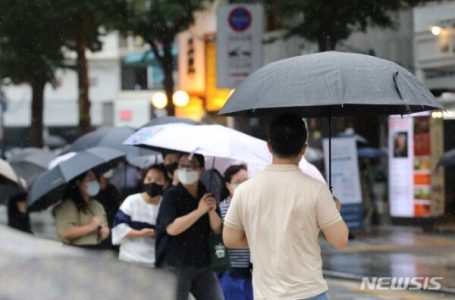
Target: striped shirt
239 258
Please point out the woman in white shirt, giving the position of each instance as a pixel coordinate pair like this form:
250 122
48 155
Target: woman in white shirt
134 224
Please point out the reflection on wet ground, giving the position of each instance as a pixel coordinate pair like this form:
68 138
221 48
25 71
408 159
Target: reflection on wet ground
394 252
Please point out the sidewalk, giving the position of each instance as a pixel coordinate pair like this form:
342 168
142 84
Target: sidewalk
394 251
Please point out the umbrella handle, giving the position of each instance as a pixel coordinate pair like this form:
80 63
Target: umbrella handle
211 174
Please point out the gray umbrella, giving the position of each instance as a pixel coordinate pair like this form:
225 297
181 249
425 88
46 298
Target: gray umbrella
49 186
34 268
447 159
111 137
330 84
54 141
29 163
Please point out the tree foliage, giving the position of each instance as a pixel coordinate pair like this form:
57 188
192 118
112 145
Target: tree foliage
315 20
30 51
158 22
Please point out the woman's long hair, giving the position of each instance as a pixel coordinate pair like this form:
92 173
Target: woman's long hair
72 192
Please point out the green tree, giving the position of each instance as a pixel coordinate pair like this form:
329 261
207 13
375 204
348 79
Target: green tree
315 20
84 22
158 22
30 51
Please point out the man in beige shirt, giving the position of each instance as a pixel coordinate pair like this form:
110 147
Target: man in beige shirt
278 214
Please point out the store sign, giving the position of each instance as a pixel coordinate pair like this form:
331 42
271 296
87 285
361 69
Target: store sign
191 57
239 42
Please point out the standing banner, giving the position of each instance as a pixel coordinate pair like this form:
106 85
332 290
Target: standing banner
401 156
345 178
239 42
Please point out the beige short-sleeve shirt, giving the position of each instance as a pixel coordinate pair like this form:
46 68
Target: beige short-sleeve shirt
67 215
282 211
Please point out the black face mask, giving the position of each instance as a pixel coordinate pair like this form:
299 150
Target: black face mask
153 189
171 168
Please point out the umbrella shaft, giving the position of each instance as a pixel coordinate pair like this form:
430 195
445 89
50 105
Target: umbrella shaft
330 149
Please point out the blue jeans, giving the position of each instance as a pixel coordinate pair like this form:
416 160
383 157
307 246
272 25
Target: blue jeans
202 283
236 288
323 296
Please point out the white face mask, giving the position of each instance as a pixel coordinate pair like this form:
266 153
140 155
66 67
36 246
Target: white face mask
93 188
187 176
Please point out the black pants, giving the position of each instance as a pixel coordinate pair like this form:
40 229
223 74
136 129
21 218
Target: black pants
201 282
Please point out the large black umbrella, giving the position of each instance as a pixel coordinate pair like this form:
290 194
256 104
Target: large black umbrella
447 159
34 268
111 137
49 186
29 163
330 84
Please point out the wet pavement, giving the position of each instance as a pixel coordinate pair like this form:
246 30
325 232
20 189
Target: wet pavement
394 252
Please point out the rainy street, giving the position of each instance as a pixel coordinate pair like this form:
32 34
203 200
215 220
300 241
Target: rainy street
227 150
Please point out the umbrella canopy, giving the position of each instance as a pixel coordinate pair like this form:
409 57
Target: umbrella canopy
208 140
330 83
168 120
447 159
34 268
110 137
7 174
29 163
49 186
54 141
371 153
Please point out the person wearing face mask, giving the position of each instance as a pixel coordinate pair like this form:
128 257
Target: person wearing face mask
134 223
187 216
237 281
170 161
80 219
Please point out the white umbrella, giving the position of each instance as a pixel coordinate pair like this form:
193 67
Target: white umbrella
7 172
208 140
224 146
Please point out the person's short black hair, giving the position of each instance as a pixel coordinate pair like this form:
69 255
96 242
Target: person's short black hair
199 157
159 167
232 170
287 135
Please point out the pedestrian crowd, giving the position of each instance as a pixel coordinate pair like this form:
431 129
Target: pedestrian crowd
173 219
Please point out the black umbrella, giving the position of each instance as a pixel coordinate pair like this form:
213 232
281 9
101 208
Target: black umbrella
29 163
447 159
34 268
49 186
330 84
